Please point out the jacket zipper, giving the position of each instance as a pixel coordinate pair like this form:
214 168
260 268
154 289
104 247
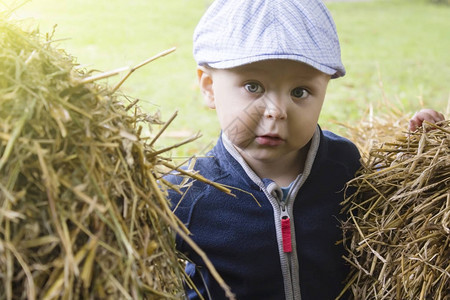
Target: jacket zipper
285 228
284 235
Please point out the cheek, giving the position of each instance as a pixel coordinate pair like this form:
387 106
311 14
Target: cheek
305 121
234 109
234 119
239 125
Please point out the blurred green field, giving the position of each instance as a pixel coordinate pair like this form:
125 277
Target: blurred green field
392 49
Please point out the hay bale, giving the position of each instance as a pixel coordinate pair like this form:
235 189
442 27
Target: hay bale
81 214
398 229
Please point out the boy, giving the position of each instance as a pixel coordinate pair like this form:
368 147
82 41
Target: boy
264 66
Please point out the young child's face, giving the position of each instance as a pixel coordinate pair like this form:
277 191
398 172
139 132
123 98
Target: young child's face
268 109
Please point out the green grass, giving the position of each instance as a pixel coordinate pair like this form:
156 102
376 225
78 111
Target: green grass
403 43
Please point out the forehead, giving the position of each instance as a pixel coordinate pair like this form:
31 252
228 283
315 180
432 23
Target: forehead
279 68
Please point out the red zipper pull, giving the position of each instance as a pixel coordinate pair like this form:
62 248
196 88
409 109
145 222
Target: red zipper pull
286 232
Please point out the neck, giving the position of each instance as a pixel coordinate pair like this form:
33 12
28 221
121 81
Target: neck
283 171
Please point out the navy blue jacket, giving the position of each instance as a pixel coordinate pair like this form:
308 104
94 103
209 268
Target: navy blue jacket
242 235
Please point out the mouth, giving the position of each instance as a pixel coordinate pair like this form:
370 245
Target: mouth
269 140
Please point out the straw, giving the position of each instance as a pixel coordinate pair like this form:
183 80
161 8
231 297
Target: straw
397 235
82 215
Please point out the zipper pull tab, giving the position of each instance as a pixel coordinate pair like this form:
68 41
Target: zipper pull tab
286 231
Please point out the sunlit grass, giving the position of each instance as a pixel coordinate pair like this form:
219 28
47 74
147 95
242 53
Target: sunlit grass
392 49
403 43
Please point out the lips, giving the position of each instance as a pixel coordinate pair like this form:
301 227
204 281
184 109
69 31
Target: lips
269 140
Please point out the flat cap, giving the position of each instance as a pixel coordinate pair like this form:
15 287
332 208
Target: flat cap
232 33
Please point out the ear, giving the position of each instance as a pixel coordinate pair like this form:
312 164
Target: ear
205 80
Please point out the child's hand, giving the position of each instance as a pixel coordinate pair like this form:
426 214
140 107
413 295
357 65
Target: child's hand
427 114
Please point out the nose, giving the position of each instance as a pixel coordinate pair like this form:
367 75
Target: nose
275 109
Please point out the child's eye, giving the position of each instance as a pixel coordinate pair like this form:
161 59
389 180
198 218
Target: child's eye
299 93
253 87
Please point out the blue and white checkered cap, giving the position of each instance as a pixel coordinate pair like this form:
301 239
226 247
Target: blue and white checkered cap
236 32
